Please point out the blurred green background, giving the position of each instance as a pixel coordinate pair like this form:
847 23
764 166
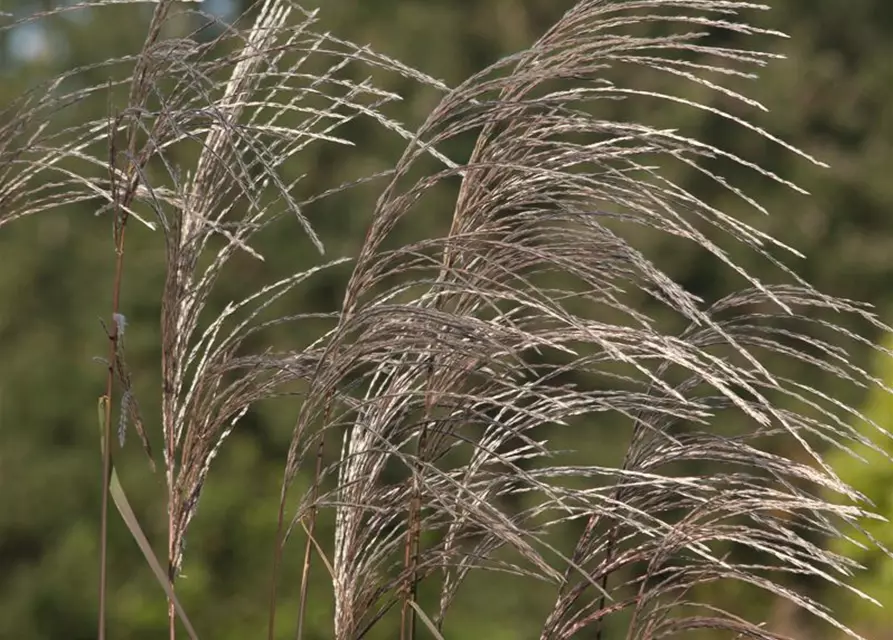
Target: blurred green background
832 96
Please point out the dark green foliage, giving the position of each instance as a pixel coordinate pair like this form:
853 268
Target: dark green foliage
539 257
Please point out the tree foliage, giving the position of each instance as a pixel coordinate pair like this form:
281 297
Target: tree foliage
520 332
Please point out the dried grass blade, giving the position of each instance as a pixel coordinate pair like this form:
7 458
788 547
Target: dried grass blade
129 517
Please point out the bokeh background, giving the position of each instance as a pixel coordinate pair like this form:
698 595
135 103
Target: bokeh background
832 96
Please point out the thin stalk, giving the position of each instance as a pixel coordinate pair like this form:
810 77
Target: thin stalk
305 574
410 561
280 538
119 227
171 610
413 529
121 201
565 600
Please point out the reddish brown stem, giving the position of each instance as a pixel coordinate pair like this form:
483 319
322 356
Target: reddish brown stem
410 561
280 536
413 534
305 575
120 226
